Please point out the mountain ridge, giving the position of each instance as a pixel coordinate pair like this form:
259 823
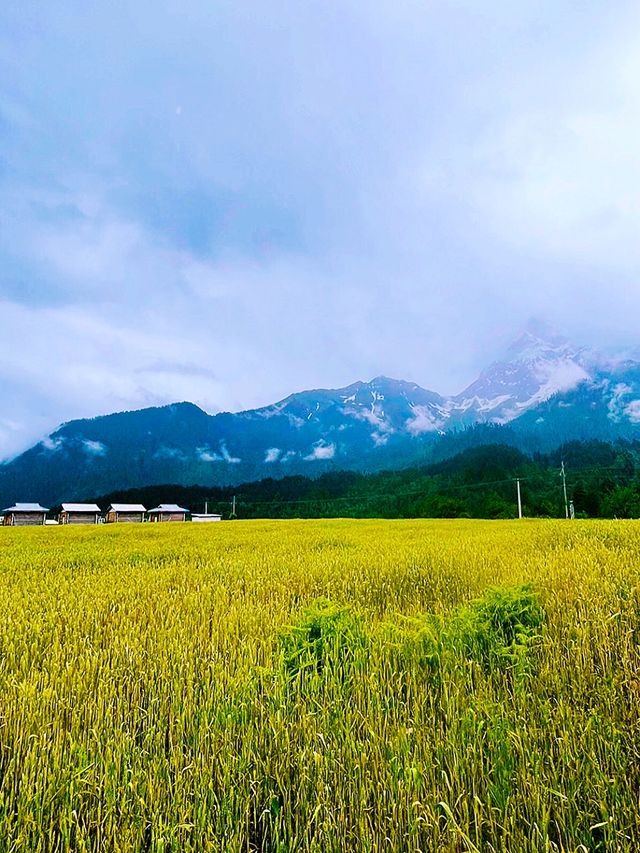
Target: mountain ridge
545 390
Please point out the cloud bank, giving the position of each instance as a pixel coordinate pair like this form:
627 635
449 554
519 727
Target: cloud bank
225 203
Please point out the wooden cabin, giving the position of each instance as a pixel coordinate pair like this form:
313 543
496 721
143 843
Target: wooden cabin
80 514
168 512
125 514
25 515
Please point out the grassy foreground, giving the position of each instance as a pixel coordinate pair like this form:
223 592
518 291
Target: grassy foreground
325 686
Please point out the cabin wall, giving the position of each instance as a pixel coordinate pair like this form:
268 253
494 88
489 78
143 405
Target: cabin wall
168 516
128 517
25 519
79 518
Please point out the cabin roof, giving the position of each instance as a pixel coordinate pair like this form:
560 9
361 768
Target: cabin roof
22 507
80 508
127 508
169 508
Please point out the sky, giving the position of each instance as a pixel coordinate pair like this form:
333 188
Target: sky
225 201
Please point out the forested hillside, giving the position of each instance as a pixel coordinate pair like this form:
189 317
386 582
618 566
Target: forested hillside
603 480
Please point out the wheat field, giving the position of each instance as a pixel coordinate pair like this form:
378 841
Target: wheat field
321 686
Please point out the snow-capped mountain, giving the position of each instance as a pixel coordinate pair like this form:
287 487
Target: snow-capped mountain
544 391
535 368
383 408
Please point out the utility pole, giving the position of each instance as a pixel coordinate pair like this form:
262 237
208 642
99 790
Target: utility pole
206 507
233 507
519 498
563 474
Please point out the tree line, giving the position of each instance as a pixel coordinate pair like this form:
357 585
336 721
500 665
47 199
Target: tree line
603 481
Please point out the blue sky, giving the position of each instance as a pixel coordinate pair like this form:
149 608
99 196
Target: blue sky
229 201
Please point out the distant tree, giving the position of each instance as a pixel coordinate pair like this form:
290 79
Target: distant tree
623 502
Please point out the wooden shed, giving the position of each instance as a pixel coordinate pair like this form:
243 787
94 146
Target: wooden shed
125 514
168 512
80 514
25 515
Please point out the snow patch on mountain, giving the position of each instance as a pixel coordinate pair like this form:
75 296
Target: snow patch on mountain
479 404
490 405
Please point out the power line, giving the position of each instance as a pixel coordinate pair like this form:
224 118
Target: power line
375 495
422 492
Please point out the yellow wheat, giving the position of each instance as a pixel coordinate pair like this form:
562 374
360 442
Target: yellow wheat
145 703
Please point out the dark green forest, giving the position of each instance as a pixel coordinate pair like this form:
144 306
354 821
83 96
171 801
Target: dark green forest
603 481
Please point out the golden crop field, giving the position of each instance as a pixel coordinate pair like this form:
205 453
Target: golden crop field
321 686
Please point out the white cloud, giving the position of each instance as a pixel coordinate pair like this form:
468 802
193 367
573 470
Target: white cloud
374 416
380 439
321 224
232 460
422 421
617 402
562 375
321 450
632 410
553 169
52 444
92 253
272 454
94 448
205 454
168 453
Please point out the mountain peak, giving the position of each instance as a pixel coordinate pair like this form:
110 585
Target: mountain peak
539 340
539 364
544 384
392 384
